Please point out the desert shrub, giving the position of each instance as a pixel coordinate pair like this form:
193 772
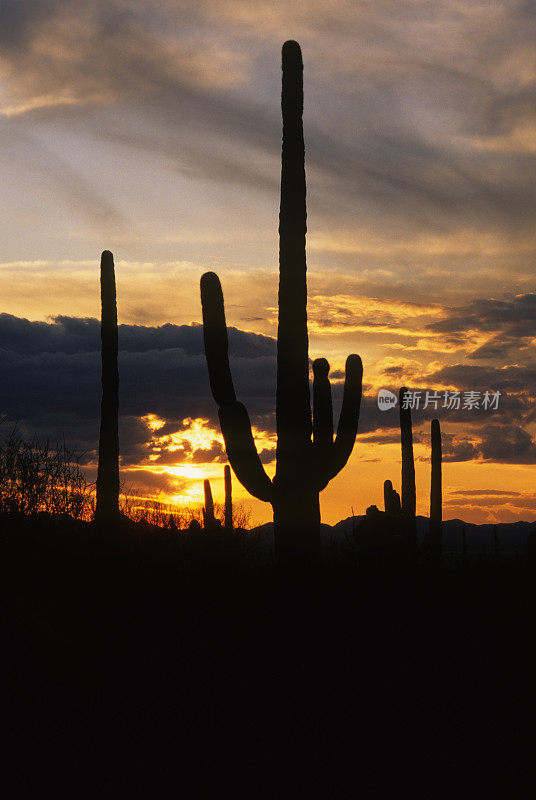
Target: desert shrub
37 477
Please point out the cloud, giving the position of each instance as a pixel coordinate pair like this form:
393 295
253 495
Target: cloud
509 444
401 141
51 372
51 376
457 448
507 323
518 503
484 493
497 443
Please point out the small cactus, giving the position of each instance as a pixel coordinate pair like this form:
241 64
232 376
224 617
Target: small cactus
107 506
391 499
464 544
209 520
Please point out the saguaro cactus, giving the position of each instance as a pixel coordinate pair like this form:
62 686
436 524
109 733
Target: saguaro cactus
409 501
107 507
435 537
409 497
496 541
228 523
304 465
208 511
391 499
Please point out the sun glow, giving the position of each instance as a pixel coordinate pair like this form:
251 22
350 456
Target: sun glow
200 454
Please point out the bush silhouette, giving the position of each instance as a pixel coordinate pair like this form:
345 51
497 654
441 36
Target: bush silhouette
36 478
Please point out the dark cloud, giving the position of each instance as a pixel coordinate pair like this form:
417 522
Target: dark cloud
510 324
508 444
503 444
458 448
516 384
51 380
21 19
76 335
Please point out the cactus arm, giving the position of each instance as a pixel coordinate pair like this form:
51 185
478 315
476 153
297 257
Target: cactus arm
348 421
322 407
216 341
234 419
241 451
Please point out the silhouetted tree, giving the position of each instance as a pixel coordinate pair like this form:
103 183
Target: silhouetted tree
36 478
107 508
304 466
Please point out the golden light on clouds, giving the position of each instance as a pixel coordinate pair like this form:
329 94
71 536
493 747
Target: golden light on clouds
465 242
195 459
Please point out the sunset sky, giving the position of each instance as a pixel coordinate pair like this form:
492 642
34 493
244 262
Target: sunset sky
154 130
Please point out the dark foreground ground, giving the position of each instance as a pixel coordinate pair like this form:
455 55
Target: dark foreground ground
130 662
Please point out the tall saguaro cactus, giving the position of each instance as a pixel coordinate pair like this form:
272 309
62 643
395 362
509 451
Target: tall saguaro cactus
307 455
107 507
435 541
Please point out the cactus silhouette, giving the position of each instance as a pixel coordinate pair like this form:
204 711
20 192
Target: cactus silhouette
209 519
408 467
391 499
107 506
228 523
434 540
409 498
307 455
464 543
